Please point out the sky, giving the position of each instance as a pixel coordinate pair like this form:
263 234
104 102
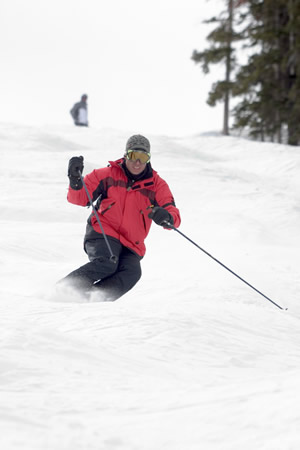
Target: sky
132 58
191 358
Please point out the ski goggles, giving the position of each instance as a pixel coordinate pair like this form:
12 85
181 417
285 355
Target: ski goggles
134 155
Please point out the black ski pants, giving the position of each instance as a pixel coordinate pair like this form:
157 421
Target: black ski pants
110 279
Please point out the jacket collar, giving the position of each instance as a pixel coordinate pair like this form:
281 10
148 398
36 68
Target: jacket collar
145 182
148 173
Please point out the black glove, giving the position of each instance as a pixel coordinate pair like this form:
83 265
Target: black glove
160 216
75 165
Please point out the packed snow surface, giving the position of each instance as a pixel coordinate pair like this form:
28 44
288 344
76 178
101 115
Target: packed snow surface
192 358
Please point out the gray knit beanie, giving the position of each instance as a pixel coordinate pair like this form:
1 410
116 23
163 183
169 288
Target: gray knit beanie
138 142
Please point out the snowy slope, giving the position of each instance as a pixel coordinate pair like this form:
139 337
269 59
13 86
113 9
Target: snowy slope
190 359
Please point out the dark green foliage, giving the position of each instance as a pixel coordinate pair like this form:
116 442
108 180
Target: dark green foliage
270 81
212 56
268 84
217 92
221 50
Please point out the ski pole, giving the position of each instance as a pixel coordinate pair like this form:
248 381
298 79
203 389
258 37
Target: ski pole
113 258
223 265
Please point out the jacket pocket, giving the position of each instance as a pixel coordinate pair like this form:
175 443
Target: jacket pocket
143 217
108 207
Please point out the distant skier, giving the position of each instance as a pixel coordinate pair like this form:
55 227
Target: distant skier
79 112
129 194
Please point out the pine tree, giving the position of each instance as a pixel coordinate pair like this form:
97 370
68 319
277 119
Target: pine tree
221 50
292 64
259 81
269 83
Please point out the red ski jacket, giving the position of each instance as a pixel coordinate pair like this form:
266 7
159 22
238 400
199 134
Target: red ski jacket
123 205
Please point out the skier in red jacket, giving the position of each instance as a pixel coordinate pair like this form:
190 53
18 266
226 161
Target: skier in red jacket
129 194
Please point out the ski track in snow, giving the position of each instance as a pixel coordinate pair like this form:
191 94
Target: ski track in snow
191 358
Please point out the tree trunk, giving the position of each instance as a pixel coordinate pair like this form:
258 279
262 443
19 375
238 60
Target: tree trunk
228 69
